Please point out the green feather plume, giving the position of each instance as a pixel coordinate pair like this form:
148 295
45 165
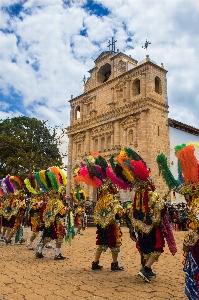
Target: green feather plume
111 160
165 171
36 175
132 154
53 180
179 147
100 161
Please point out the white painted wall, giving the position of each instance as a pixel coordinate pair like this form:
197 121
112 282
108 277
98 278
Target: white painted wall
178 137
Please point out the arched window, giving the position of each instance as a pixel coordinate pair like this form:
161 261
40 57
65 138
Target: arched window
158 87
102 143
130 138
77 112
109 142
136 87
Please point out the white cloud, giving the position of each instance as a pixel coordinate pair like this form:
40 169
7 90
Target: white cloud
184 115
9 49
11 114
45 57
4 105
54 117
4 3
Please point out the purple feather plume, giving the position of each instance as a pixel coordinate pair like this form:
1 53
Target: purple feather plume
9 185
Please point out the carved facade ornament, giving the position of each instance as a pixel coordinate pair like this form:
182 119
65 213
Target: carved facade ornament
79 138
118 112
140 72
121 66
129 122
120 84
93 113
101 130
128 77
85 99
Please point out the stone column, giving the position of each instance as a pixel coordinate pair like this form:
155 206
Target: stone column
91 141
128 83
69 168
117 133
125 137
143 145
113 95
81 111
112 141
87 143
99 143
124 93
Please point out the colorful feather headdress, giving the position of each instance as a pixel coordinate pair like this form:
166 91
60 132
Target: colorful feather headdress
79 197
188 170
7 186
10 185
130 169
46 180
31 183
89 173
126 171
17 182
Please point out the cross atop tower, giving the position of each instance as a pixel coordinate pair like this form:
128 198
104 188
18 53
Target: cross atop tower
84 79
147 43
111 43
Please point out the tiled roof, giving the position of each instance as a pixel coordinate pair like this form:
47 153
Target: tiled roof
184 127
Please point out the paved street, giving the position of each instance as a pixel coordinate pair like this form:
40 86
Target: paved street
23 277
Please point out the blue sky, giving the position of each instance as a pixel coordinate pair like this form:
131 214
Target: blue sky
47 46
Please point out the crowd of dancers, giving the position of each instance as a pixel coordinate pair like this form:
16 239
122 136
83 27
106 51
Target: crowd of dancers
147 216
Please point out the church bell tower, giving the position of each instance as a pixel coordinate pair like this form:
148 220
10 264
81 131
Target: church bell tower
124 104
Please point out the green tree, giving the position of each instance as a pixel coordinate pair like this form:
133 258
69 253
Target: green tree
26 145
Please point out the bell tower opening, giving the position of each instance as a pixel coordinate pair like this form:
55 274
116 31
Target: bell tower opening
77 112
158 87
136 87
104 73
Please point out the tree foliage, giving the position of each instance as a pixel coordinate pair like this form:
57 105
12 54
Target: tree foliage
26 145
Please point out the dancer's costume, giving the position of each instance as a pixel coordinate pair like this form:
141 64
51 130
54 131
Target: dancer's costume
127 171
151 223
79 197
127 217
53 220
148 211
52 212
107 214
108 210
35 214
191 253
35 211
187 185
13 206
1 200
